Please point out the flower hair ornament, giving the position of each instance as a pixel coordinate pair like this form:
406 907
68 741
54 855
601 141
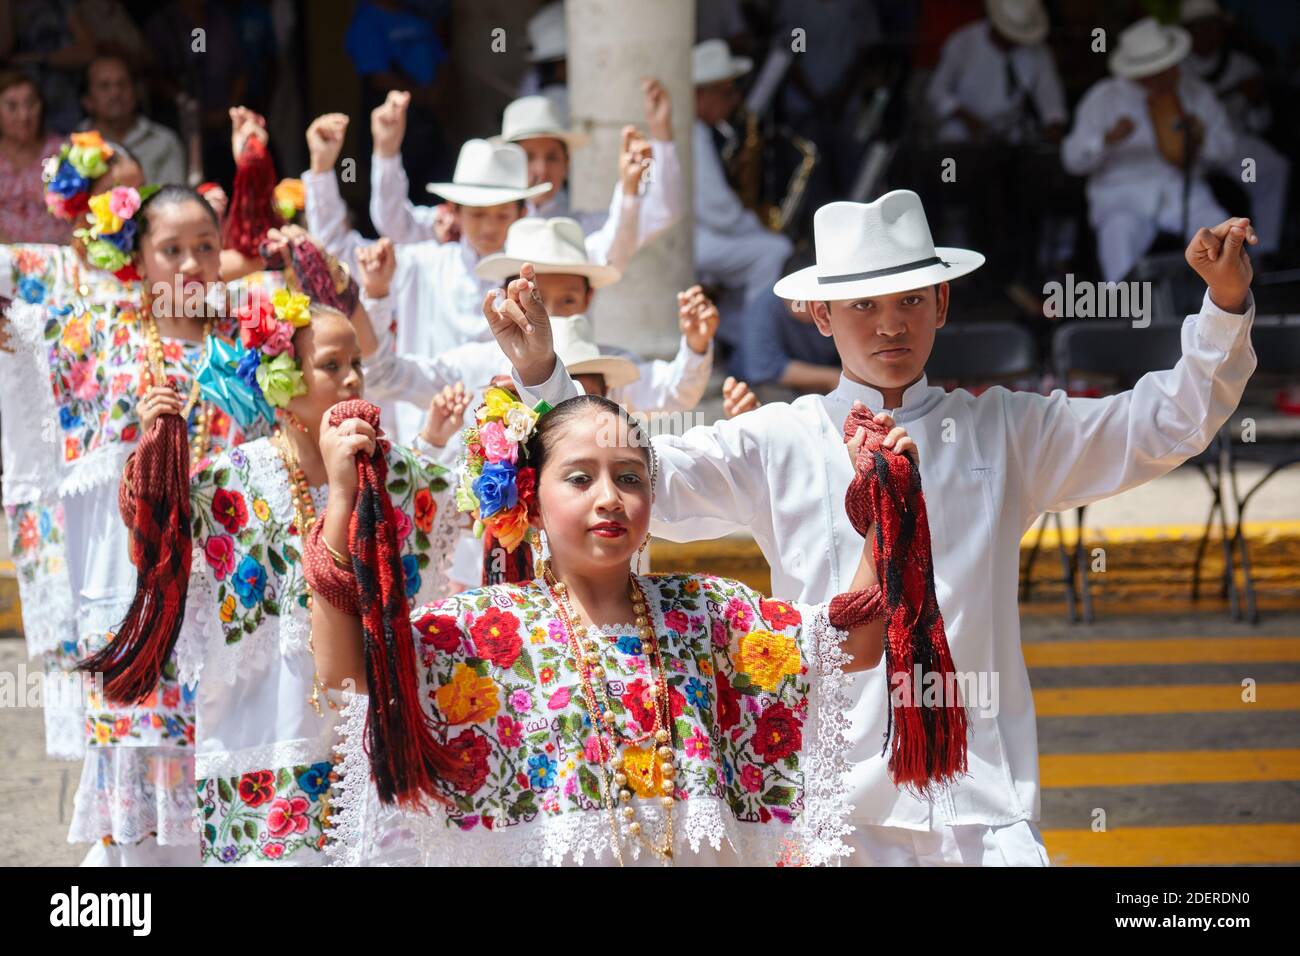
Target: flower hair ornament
80 161
110 238
290 198
495 485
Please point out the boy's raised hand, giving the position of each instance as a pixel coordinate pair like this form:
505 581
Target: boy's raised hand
522 328
1220 258
633 161
737 398
388 123
658 109
446 415
377 264
698 318
325 140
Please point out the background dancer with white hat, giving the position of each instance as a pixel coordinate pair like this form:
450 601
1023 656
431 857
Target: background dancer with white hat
992 464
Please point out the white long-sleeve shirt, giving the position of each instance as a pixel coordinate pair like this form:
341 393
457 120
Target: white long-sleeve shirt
327 218
972 75
1126 174
613 235
781 472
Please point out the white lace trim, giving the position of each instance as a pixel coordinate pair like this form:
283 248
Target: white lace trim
48 619
99 467
364 833
33 463
65 733
272 756
128 793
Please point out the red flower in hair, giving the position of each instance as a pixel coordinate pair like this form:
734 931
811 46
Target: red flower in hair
257 321
526 485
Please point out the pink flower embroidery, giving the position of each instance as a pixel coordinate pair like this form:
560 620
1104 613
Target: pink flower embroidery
521 701
220 554
751 778
287 817
81 376
739 615
404 525
273 851
697 745
591 750
677 621
559 700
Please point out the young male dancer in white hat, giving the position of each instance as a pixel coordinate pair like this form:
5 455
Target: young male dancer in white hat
540 125
991 464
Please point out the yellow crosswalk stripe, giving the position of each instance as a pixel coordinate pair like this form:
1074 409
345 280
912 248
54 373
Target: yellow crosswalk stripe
1163 699
1222 845
1187 650
1169 767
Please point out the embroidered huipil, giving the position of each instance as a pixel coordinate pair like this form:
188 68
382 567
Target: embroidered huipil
780 473
263 750
30 277
83 353
756 722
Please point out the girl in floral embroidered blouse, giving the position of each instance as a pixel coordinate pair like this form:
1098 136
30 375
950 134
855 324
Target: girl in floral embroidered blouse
591 714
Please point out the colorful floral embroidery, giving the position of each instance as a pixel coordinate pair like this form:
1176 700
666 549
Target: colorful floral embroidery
738 701
264 814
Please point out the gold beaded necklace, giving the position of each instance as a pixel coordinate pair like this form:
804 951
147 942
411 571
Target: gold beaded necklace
304 516
595 699
158 373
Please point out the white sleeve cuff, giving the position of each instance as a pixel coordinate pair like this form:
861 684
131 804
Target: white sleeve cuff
1224 330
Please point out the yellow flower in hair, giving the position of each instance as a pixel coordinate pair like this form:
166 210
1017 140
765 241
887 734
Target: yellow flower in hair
106 223
291 307
498 402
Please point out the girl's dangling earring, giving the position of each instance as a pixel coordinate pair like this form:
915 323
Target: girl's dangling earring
535 540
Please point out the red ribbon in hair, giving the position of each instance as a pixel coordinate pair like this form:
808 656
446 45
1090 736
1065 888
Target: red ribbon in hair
154 499
406 761
928 742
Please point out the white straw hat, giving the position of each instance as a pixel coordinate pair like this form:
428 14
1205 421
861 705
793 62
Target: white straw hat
554 247
488 174
547 39
1148 47
877 248
711 62
577 349
1022 21
534 117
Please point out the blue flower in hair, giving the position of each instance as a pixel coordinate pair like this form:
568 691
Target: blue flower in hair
68 182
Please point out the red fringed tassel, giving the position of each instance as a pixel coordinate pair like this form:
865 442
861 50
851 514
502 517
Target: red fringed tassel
928 741
252 210
155 503
406 760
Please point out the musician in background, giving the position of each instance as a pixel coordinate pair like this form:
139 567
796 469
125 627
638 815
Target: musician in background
1239 82
997 80
733 250
1145 138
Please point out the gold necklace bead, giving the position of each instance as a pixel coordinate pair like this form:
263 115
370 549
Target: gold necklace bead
617 762
620 779
633 828
669 786
641 621
665 753
661 736
667 769
625 796
666 802
598 670
629 813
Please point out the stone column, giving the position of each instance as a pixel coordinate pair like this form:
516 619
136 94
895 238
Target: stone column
612 45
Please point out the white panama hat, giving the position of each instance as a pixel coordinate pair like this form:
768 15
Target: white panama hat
577 349
876 248
1022 21
712 62
1149 47
554 246
541 115
547 39
488 174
